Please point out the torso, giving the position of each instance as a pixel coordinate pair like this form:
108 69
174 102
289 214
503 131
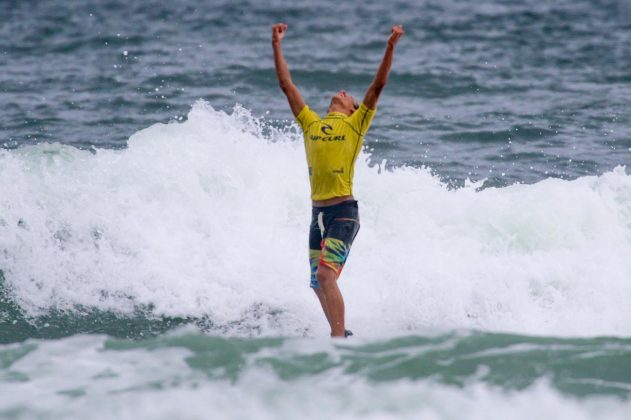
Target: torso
332 145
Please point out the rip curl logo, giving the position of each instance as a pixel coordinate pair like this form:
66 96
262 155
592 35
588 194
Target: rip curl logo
328 136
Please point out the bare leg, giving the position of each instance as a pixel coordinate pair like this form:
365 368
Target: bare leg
333 300
320 294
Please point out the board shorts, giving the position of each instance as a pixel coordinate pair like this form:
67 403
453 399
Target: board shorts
331 234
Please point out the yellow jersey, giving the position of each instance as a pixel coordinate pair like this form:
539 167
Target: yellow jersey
332 144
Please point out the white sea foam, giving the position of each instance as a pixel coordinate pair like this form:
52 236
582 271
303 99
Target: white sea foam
76 377
210 217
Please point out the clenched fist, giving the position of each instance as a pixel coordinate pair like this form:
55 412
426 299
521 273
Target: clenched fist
278 32
397 32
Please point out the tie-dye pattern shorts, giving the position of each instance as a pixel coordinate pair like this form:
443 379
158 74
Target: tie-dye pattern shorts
331 235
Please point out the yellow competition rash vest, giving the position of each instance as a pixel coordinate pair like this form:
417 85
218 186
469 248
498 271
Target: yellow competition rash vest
332 144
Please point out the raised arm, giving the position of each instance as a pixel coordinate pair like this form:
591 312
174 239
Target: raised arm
296 103
381 78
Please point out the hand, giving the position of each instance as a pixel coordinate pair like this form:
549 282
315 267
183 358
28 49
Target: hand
397 32
278 32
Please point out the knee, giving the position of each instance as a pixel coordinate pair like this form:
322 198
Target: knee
325 276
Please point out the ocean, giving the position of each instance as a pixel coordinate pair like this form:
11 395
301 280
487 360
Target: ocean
154 212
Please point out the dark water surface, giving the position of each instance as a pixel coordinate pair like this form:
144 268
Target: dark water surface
509 91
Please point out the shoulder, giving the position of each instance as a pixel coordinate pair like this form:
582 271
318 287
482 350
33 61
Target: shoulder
306 109
307 112
361 112
363 109
362 117
306 117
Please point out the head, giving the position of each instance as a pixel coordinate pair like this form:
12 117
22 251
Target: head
343 102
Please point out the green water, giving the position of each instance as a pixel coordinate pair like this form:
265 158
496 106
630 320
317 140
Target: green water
577 367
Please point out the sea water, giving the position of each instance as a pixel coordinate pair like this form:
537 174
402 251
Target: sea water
153 244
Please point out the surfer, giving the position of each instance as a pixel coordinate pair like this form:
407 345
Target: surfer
332 145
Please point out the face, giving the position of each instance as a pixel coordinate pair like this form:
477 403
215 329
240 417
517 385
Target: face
343 102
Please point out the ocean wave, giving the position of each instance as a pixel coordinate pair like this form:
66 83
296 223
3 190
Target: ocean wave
208 218
431 376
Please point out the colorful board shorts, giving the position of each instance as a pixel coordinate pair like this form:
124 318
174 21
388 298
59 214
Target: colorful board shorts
331 234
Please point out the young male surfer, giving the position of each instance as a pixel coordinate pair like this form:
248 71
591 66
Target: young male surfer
332 144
